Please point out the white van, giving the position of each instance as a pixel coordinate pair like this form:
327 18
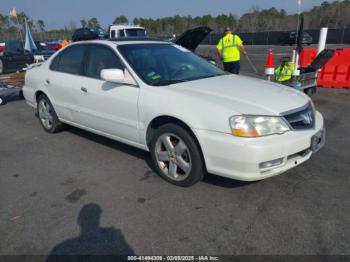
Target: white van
118 31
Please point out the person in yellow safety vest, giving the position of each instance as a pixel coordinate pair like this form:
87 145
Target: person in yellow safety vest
229 50
64 43
284 72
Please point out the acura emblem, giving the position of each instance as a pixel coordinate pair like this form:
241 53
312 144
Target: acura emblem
307 117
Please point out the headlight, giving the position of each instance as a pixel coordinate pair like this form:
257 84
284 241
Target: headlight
255 126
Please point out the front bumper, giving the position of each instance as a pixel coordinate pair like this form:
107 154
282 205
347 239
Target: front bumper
239 158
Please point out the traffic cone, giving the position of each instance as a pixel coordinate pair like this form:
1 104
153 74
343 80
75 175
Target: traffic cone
270 65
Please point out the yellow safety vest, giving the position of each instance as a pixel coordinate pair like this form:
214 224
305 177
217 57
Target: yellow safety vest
229 48
284 73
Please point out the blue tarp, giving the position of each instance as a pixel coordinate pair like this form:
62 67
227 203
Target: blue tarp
29 42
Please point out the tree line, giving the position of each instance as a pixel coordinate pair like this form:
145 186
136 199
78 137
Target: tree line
330 14
333 15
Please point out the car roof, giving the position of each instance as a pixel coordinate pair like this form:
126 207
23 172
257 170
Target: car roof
123 41
126 27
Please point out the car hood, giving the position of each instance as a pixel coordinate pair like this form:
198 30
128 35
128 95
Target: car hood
44 52
244 95
191 38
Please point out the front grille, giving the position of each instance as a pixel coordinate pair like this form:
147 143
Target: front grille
301 119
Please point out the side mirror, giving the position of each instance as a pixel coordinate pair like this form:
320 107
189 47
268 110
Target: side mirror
112 75
117 76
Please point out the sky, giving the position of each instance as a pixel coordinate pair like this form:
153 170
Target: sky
60 13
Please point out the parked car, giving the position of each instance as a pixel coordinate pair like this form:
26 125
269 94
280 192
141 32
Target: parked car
88 34
55 45
190 115
43 52
14 57
290 39
2 47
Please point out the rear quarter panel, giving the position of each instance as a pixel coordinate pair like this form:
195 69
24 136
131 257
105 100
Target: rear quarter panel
33 83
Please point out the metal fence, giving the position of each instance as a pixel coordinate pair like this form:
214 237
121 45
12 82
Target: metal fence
335 36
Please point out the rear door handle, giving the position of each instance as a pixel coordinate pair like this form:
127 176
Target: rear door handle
47 81
83 89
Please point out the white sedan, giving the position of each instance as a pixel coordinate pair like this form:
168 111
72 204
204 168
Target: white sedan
193 117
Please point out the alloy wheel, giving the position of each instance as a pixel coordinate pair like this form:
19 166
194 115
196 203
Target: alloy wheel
45 114
173 157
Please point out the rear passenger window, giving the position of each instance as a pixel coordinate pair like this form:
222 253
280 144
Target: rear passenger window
70 60
101 57
121 33
14 47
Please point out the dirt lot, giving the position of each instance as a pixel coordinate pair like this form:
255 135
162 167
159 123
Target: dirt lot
53 189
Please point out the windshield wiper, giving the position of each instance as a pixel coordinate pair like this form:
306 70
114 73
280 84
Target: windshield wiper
168 82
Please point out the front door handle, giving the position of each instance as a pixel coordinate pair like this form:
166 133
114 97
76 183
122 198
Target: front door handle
83 89
47 81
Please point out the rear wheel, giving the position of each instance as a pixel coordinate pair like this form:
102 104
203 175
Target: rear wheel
2 101
47 115
310 91
1 67
176 156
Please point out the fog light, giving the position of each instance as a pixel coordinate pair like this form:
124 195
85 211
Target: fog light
271 163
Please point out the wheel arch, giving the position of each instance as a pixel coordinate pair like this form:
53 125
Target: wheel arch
2 66
166 119
40 92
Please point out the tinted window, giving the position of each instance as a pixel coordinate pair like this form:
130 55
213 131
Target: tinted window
113 34
14 47
101 57
121 33
70 60
135 32
87 31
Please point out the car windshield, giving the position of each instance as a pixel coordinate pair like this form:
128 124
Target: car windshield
135 32
165 64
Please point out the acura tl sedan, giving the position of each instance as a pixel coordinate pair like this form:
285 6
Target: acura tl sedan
190 115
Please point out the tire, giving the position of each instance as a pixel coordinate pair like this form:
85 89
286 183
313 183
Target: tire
176 156
2 101
2 69
47 115
310 91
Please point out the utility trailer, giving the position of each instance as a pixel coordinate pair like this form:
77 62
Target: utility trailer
10 85
306 81
7 90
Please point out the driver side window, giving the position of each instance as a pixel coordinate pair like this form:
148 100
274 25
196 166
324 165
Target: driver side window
101 57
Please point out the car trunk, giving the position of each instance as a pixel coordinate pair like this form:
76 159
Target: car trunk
320 60
191 38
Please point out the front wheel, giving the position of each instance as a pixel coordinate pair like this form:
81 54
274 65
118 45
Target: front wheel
47 115
176 156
